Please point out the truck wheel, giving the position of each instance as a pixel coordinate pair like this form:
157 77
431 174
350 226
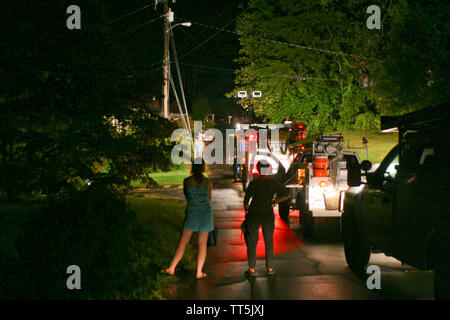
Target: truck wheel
357 252
440 260
244 178
283 210
441 285
306 217
308 224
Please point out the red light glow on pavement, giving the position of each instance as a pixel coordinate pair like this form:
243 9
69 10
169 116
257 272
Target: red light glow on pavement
231 244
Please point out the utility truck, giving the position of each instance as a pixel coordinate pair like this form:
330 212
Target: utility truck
317 179
402 208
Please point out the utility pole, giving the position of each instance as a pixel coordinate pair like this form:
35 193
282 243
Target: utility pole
168 19
166 60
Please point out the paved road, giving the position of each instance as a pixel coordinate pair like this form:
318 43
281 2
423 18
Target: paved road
307 269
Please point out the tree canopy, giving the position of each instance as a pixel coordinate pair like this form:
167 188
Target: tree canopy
317 62
67 109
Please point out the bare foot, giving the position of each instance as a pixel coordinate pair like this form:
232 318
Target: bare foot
167 271
201 276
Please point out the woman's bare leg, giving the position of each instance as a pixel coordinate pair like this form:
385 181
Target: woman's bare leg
202 247
185 237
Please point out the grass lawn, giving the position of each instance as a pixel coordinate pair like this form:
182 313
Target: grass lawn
159 224
379 144
155 236
170 178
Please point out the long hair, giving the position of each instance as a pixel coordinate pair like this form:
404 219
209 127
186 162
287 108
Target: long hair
198 167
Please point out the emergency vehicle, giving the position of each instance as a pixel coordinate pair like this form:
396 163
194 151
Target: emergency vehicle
264 142
401 208
317 179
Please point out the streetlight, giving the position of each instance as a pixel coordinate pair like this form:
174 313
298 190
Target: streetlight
185 24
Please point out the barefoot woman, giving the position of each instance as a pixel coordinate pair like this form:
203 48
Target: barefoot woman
197 190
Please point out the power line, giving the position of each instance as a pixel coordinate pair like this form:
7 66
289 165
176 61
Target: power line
213 19
209 52
201 44
183 120
277 41
179 77
131 75
219 69
139 26
219 29
129 14
207 67
303 78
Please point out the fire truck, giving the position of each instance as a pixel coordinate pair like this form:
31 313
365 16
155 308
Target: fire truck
317 179
264 142
313 169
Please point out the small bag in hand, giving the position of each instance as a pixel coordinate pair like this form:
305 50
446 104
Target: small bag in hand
212 238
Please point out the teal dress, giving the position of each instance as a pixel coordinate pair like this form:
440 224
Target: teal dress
198 209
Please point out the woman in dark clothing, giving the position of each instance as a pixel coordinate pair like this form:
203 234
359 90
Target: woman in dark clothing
197 190
259 213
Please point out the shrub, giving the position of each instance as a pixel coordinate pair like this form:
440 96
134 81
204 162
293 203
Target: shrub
89 228
367 121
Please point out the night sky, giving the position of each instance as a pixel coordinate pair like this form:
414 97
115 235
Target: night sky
206 55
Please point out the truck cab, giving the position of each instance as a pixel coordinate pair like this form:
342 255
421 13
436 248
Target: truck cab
401 208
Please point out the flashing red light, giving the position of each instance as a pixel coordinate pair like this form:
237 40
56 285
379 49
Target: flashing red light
323 184
300 127
252 136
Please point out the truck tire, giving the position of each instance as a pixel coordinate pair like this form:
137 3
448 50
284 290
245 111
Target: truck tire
244 178
440 260
283 210
357 252
441 284
306 217
308 224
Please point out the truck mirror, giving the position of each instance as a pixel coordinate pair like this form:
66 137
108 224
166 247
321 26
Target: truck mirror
353 174
366 165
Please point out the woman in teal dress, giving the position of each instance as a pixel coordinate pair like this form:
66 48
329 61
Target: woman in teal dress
199 218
